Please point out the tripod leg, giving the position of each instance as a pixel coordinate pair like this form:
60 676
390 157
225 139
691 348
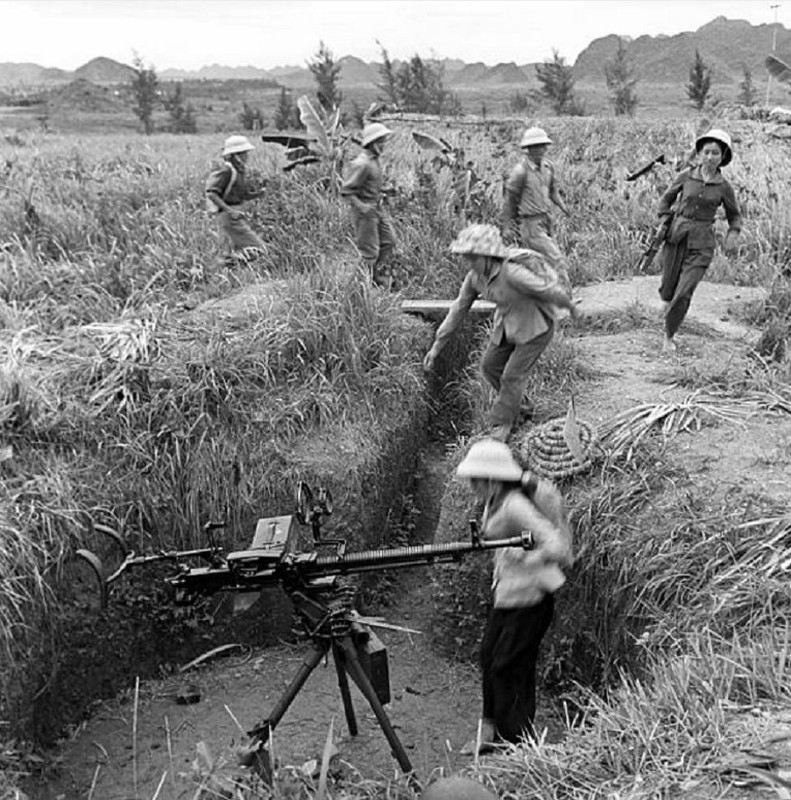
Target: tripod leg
353 667
343 683
261 731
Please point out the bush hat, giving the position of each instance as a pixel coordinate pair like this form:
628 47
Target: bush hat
491 459
722 138
373 132
534 136
236 144
480 240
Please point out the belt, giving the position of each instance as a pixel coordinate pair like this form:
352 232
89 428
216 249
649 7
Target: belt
696 219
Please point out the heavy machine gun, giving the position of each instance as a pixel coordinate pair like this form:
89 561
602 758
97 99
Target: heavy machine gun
316 582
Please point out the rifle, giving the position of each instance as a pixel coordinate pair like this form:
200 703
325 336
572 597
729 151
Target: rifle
657 240
321 598
644 170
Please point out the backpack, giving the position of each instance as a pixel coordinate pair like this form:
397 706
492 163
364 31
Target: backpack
546 498
210 207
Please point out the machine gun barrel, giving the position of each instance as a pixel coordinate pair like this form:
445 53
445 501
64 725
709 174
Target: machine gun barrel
247 573
400 557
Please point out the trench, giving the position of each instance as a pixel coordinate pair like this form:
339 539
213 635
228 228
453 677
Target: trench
141 634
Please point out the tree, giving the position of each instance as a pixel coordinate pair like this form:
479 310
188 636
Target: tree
418 85
182 115
699 81
251 119
326 72
747 93
619 74
145 90
387 74
557 84
286 112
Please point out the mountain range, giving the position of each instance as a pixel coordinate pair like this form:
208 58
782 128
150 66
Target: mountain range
727 46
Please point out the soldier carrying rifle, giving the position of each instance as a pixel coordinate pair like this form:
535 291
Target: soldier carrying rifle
373 230
689 248
227 188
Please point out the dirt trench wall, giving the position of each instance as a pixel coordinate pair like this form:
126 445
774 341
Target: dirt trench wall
368 466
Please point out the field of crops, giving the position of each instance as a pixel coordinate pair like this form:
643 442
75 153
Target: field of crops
137 387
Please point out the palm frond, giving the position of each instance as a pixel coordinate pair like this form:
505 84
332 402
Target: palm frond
778 69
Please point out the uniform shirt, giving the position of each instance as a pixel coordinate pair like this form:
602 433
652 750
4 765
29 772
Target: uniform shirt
532 187
516 285
364 180
523 577
219 180
698 199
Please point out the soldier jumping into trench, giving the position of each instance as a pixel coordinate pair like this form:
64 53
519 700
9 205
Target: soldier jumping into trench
526 291
226 190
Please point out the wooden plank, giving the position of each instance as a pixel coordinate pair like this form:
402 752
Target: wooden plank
439 308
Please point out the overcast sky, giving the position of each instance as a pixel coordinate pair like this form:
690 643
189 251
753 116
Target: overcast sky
189 34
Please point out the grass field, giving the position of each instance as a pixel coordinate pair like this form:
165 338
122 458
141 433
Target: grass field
117 403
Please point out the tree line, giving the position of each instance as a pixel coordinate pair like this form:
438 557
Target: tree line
418 85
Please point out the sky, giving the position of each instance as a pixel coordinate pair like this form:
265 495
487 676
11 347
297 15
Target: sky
189 34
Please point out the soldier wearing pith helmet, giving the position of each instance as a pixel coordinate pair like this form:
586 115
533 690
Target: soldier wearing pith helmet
527 292
227 189
692 201
530 192
524 583
362 187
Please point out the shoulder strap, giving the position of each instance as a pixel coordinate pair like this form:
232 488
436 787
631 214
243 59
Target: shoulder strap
529 484
231 180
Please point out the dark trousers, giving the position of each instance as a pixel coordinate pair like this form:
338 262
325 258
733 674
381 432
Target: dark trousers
506 367
509 653
375 238
682 270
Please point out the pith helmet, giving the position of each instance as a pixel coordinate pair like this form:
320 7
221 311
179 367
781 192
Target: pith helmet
534 136
479 240
373 132
722 139
236 144
456 788
489 458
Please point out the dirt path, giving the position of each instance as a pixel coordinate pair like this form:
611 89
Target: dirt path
435 703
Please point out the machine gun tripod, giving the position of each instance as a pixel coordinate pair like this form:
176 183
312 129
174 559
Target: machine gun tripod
356 653
323 600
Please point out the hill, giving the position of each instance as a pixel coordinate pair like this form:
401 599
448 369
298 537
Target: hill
726 45
103 71
13 74
216 72
83 95
99 70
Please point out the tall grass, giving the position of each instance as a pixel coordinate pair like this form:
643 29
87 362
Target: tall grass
133 389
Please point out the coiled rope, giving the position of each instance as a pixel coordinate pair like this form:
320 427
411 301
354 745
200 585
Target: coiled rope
543 449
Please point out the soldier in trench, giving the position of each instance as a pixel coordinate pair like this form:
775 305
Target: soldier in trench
527 292
524 583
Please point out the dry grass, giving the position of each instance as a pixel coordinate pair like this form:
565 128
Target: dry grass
117 402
